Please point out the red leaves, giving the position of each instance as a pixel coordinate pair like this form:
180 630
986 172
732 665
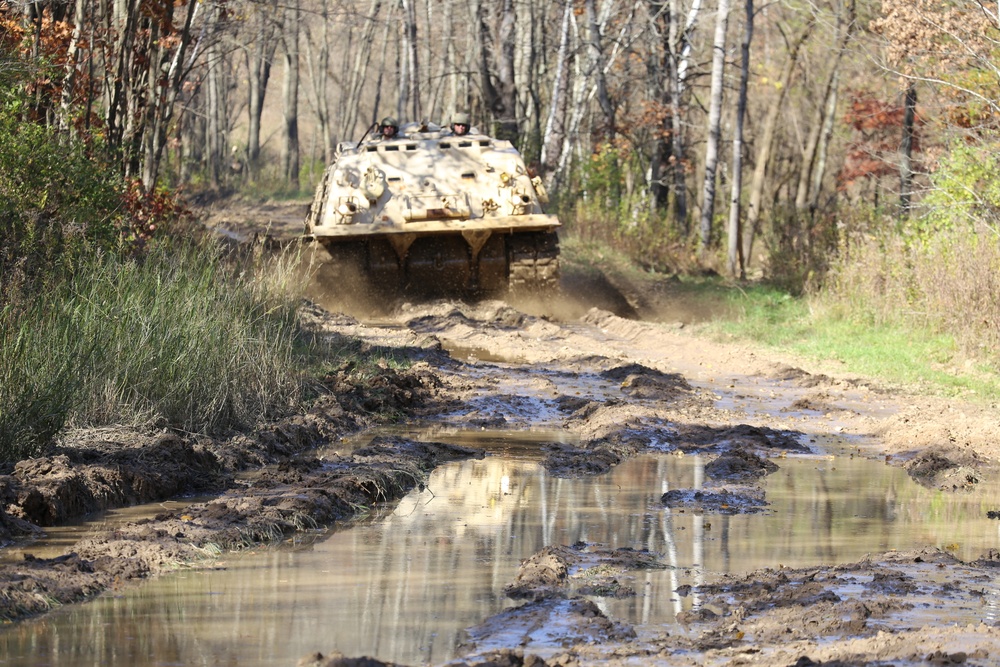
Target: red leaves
149 211
879 128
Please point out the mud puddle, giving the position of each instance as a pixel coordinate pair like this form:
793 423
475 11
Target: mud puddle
406 584
59 540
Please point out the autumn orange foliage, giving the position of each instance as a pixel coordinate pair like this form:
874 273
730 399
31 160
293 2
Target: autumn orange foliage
878 127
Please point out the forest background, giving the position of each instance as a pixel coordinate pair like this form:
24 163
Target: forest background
840 149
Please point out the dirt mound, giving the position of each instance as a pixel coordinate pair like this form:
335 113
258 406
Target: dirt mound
742 501
562 571
546 622
128 469
639 381
739 464
692 438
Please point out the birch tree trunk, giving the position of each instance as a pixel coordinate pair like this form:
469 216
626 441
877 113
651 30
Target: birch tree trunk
597 66
212 114
410 92
680 53
735 257
71 67
576 106
555 125
714 121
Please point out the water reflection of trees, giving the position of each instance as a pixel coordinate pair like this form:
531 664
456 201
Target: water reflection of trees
403 588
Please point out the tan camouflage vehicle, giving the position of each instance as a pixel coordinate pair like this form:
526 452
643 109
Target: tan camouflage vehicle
429 210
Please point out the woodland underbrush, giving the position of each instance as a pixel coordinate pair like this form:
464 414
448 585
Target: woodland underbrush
111 313
947 283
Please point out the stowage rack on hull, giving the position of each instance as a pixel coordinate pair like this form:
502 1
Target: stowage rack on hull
432 211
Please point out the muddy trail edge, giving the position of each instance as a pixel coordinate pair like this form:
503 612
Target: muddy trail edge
622 387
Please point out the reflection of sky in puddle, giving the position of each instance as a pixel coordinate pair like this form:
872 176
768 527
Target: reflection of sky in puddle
404 586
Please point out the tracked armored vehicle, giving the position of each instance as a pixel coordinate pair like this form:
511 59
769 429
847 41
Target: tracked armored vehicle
431 211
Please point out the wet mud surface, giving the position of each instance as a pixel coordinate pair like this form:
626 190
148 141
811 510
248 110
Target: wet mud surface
618 387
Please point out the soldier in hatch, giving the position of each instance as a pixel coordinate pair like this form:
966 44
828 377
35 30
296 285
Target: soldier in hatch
389 128
460 124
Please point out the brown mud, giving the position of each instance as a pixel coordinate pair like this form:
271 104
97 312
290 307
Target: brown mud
624 378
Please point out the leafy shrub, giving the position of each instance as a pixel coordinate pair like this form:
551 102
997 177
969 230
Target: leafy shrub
57 204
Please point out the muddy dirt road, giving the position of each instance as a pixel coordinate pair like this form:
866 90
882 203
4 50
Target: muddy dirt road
620 388
626 387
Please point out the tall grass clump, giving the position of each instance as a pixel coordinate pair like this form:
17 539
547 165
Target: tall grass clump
182 342
940 270
173 339
106 317
39 387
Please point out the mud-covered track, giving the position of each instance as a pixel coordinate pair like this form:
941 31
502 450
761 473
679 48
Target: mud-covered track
534 263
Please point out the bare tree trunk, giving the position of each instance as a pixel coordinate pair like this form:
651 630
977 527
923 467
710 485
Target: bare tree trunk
442 103
680 39
735 257
714 121
212 113
290 96
597 66
501 96
764 144
906 152
359 73
507 116
660 88
576 106
534 42
164 91
844 30
318 60
411 91
829 119
72 64
124 83
259 59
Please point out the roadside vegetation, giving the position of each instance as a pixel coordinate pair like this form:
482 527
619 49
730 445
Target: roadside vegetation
899 313
113 313
867 228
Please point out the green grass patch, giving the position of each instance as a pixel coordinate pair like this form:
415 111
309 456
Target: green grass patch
920 359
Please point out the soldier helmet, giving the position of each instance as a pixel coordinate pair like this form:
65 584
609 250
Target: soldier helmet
461 118
389 121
